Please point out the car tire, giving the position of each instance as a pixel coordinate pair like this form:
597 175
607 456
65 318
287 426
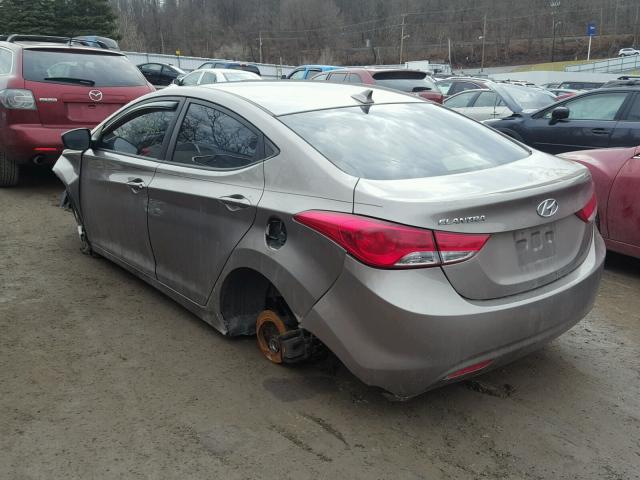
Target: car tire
9 172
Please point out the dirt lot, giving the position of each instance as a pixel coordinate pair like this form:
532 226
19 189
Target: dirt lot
103 377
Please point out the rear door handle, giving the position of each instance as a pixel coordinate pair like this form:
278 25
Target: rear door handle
600 131
235 202
136 184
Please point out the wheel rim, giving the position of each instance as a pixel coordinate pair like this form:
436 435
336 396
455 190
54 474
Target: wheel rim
269 327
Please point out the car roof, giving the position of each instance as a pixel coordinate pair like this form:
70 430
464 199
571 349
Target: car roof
224 70
282 98
60 47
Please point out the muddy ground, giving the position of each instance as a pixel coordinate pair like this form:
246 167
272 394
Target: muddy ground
101 376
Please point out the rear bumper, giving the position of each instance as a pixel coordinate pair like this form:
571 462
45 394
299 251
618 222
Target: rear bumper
21 141
405 331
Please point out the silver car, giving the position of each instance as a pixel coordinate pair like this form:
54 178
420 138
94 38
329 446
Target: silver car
417 245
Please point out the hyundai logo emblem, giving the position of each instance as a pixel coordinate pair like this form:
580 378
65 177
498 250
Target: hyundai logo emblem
95 95
547 208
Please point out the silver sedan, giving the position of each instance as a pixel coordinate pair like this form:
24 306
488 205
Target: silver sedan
417 245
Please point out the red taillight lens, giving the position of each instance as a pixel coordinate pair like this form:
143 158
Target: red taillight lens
384 244
588 212
469 369
458 247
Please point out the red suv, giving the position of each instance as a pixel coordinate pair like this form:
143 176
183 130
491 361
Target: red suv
412 81
49 85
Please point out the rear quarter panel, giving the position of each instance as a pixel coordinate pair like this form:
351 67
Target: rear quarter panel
604 165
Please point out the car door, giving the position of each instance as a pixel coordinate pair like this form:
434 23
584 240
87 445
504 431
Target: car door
627 131
624 204
114 179
592 120
487 105
203 199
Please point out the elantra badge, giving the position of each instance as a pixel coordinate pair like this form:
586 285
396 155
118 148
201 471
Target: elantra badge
95 95
459 220
547 208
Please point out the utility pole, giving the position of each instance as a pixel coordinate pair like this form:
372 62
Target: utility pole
449 51
554 4
260 45
402 36
484 36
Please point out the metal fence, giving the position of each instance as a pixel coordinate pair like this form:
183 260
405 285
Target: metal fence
610 65
267 70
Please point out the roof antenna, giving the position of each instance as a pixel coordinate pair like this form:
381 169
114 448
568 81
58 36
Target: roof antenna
366 98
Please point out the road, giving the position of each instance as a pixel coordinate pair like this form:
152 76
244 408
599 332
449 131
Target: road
101 376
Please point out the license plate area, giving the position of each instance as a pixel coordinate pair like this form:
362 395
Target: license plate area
536 244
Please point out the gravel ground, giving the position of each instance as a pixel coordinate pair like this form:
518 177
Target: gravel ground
101 376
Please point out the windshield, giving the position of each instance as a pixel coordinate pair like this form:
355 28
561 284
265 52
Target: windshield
527 98
80 68
399 141
405 81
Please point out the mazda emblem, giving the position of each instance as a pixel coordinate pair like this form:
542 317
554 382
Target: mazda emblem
95 95
547 208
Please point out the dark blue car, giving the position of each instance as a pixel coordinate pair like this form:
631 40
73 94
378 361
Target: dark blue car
607 117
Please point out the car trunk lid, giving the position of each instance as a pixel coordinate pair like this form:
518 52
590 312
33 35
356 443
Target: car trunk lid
525 250
78 105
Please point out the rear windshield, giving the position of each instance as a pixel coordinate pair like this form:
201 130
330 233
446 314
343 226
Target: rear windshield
405 81
399 141
88 69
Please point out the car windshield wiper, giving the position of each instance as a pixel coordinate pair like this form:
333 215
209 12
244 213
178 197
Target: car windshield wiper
81 81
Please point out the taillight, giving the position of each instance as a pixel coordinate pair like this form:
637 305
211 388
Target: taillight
458 247
588 212
17 99
383 244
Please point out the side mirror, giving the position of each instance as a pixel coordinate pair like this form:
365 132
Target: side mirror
78 139
558 114
178 81
283 77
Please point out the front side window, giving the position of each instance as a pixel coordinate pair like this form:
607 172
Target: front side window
208 78
603 106
191 79
143 134
401 141
6 61
486 99
460 101
322 76
338 77
354 78
209 137
297 75
151 67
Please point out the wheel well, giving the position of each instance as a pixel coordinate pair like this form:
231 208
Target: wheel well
245 293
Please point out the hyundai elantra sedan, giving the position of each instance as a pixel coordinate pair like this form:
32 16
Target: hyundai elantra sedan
417 245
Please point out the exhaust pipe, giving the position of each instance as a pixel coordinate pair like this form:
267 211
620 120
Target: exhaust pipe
39 160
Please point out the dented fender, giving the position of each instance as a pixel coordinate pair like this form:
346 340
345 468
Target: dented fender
67 169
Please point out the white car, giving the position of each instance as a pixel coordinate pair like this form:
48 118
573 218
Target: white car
627 52
207 76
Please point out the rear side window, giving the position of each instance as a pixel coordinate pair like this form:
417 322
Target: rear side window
142 134
460 101
634 111
400 141
209 137
6 61
322 76
80 68
338 77
405 81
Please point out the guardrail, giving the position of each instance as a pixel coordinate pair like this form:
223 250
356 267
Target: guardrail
267 70
610 65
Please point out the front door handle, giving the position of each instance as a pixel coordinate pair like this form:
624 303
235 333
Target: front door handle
235 202
600 131
136 184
